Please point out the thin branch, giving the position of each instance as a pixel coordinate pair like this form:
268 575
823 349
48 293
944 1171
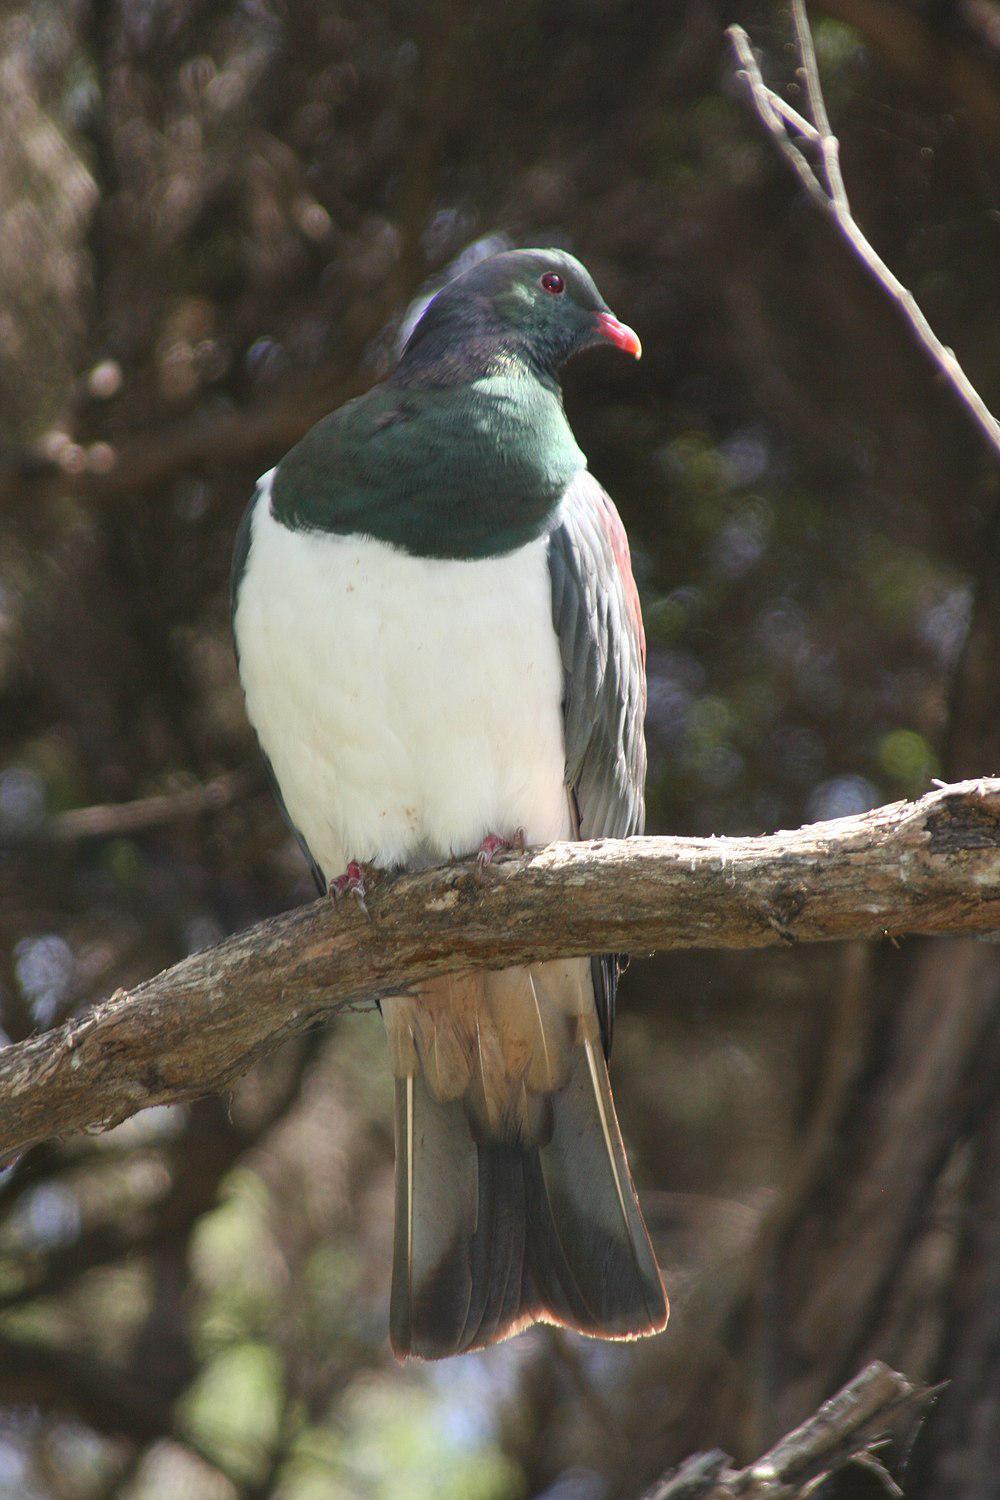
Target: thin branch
792 117
829 145
206 441
832 199
768 107
112 820
931 866
842 1433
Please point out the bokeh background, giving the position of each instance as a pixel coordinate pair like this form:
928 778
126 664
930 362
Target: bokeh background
214 217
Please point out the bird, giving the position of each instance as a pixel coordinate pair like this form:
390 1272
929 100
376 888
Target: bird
441 650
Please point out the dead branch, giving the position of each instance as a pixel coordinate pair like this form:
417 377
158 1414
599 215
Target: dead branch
790 132
931 866
847 1430
203 441
114 820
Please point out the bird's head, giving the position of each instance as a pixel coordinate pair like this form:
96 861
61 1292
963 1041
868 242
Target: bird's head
537 305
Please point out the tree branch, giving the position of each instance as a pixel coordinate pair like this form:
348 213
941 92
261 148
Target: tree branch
845 1431
828 143
831 197
205 440
931 866
114 820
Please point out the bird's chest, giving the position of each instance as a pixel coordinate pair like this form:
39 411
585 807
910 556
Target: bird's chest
408 706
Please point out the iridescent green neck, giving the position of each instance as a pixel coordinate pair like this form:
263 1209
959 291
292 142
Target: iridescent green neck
453 470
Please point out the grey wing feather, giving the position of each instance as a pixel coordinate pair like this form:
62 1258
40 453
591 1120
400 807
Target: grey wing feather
595 609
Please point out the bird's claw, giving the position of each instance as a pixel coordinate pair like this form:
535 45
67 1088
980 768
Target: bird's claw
352 883
494 844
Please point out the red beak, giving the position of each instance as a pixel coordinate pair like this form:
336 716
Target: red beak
619 334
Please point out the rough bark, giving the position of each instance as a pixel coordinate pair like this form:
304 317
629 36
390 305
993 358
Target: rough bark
931 866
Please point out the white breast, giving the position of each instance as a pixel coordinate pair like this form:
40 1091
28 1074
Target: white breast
408 706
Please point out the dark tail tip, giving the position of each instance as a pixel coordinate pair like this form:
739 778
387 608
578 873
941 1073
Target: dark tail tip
532 1256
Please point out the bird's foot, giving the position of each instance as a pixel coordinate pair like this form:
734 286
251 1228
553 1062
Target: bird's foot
354 883
495 843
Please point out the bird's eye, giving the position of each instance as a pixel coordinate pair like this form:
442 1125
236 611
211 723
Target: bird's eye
553 282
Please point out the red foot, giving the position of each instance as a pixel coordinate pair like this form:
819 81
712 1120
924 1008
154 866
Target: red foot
351 883
494 844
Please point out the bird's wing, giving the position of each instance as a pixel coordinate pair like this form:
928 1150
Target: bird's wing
595 608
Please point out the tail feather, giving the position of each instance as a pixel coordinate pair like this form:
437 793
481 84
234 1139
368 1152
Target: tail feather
530 1028
605 1275
498 1247
436 1214
511 1213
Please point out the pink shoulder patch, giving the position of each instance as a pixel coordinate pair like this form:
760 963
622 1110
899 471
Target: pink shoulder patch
611 522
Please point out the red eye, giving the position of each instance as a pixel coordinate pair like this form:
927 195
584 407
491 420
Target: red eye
553 282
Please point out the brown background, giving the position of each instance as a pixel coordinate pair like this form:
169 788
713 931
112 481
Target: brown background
213 217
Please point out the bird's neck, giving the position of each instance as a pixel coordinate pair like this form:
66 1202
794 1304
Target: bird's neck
505 455
434 360
469 469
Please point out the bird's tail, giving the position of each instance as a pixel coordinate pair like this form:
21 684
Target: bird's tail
514 1202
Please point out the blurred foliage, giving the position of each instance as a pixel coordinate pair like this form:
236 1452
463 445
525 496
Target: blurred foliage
216 214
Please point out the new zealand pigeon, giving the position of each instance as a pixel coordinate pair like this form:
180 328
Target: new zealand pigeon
440 643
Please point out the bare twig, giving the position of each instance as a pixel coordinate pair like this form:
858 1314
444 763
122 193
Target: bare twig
113 820
931 866
845 1431
828 143
831 197
772 112
792 117
204 441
